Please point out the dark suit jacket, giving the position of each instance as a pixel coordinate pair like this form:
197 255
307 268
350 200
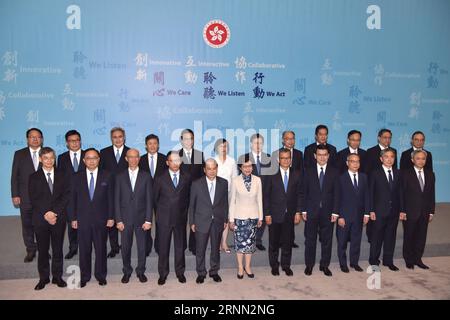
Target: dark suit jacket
65 164
353 204
22 168
383 200
309 161
267 167
42 200
108 160
297 159
416 203
160 164
97 211
201 211
373 159
311 196
133 207
406 163
171 204
278 203
195 168
342 160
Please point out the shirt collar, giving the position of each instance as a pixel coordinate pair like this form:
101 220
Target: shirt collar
88 172
352 150
172 173
37 150
381 147
324 167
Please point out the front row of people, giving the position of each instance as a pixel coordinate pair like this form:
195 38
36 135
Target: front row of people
320 196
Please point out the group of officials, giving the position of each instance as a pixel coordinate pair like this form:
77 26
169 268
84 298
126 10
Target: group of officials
99 194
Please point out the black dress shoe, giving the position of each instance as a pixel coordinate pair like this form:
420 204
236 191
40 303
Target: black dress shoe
345 269
288 272
275 272
216 278
59 282
200 279
326 271
142 278
126 278
111 254
41 284
70 254
357 267
294 245
260 247
161 281
409 266
29 257
391 267
422 265
193 252
308 271
102 282
250 275
83 284
181 278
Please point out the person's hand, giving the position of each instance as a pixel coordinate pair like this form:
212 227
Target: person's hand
193 227
304 216
110 223
50 217
146 226
430 218
402 216
259 224
341 222
232 226
120 226
366 220
268 220
334 218
225 225
297 218
373 216
16 201
74 224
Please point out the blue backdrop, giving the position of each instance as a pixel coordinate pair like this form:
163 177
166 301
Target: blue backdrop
146 66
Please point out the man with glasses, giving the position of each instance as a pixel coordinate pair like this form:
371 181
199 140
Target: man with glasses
353 143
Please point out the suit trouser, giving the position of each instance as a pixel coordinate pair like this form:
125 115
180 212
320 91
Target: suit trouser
260 233
164 239
414 238
351 232
369 228
44 235
87 236
383 236
318 223
127 244
26 214
192 245
280 236
72 234
214 234
113 234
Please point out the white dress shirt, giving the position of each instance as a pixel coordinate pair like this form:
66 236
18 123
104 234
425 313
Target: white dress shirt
155 160
422 174
353 150
133 176
37 156
387 173
72 153
52 175
88 176
120 150
226 169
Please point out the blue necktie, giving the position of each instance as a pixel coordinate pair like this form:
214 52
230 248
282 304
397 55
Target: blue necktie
152 167
355 182
286 181
174 180
91 186
75 162
258 165
321 176
117 156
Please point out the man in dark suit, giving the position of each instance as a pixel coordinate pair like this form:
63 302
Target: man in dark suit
49 195
288 141
208 213
373 162
321 136
192 163
26 162
171 199
418 204
354 143
354 206
384 209
133 211
70 162
262 167
282 211
153 162
417 143
319 206
91 212
112 159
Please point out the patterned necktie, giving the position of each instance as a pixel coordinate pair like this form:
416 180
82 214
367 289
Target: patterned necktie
321 176
422 184
391 181
355 182
117 156
152 166
188 157
91 186
286 181
174 180
50 182
211 192
258 165
35 161
75 162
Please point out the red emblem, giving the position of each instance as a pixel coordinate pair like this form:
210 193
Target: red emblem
216 33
